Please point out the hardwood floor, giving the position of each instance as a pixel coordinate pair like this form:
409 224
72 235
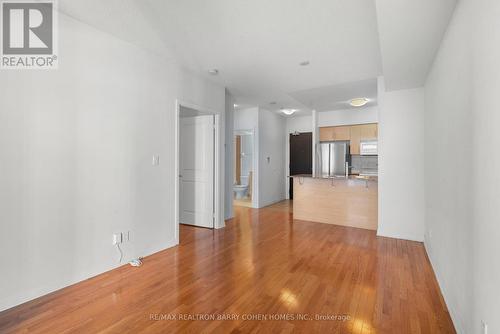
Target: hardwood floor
263 264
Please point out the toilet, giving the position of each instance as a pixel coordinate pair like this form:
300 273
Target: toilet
240 190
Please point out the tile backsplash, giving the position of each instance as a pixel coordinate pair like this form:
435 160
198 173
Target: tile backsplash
362 163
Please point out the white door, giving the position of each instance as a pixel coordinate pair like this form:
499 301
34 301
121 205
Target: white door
197 171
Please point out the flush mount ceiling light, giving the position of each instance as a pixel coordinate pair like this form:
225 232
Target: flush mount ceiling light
236 105
213 71
304 63
289 111
358 102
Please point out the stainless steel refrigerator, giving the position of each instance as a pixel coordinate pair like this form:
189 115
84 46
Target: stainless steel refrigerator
334 158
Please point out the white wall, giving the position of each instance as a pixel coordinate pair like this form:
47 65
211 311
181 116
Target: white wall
462 186
315 140
401 164
299 124
486 79
246 119
294 124
449 173
271 157
348 116
229 156
75 165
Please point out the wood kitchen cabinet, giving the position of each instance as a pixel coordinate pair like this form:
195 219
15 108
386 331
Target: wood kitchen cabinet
354 133
362 132
335 133
369 131
342 133
326 134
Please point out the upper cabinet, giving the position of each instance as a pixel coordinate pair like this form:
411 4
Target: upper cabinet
342 133
369 131
326 134
335 133
354 133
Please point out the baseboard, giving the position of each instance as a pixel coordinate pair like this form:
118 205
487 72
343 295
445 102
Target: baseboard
269 203
221 224
400 236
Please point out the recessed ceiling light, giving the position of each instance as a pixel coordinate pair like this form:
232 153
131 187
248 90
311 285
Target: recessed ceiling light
359 102
213 71
288 111
236 105
304 63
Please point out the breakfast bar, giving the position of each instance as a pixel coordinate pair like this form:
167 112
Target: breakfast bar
348 201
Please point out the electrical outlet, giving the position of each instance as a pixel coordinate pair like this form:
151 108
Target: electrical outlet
484 327
117 238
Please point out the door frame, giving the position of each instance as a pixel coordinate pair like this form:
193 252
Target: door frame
255 165
217 163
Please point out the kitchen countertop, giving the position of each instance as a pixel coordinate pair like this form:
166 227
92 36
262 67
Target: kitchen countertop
351 177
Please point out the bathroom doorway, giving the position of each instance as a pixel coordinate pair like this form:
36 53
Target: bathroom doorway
244 169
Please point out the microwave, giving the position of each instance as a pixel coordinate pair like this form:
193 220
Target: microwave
368 147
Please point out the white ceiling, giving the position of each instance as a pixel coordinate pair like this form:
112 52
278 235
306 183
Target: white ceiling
257 45
121 18
337 97
410 35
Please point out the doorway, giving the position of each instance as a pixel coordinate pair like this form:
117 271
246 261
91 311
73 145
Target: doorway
244 169
197 167
300 155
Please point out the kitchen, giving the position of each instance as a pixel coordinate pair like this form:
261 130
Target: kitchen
343 188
